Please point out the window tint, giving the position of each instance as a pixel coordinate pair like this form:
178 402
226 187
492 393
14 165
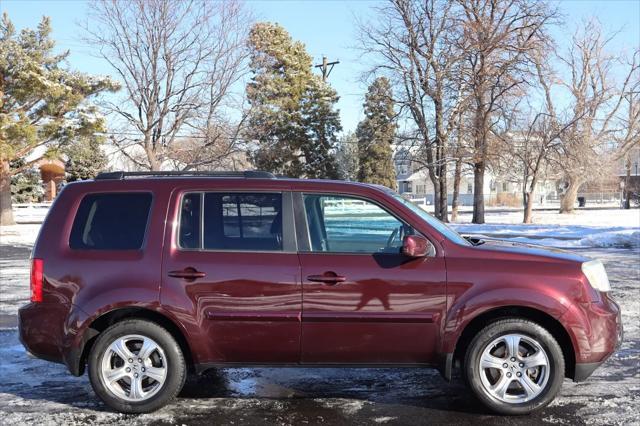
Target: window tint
247 221
189 236
111 222
349 225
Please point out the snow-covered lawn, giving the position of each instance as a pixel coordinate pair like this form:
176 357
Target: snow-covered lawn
21 234
584 228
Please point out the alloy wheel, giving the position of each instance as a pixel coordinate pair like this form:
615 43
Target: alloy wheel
514 368
134 368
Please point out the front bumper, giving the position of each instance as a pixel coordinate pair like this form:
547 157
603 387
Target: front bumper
599 336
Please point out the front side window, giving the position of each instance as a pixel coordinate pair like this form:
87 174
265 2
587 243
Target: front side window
115 221
231 221
342 224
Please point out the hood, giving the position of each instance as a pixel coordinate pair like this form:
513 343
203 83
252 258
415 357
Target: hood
524 249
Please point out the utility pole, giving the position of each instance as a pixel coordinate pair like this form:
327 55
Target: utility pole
326 67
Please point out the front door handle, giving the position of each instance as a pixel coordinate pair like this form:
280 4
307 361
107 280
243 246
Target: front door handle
330 278
188 274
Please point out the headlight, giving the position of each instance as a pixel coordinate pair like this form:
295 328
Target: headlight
597 276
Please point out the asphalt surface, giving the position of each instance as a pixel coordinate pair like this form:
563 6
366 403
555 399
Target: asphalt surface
37 392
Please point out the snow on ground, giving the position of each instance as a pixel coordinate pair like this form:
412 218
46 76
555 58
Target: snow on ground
584 228
21 234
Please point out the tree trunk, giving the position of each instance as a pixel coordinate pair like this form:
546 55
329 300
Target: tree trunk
152 158
479 165
568 201
436 197
441 165
6 211
435 181
478 192
528 208
444 214
529 198
456 190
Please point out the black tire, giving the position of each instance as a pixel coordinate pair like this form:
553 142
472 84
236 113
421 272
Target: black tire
472 371
176 371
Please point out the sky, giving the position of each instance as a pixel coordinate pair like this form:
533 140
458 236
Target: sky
326 27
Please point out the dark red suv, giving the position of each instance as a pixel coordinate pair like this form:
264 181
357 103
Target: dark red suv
148 278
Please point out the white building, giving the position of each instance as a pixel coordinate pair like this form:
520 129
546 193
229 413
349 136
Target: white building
413 182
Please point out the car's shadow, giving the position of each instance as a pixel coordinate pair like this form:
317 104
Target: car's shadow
414 386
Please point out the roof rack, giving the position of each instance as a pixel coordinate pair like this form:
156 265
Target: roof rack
249 174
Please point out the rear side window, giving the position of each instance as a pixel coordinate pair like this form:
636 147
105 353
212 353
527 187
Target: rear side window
232 221
111 222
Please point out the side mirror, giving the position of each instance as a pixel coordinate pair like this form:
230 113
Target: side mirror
417 246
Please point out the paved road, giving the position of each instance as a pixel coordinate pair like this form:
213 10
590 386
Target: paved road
37 392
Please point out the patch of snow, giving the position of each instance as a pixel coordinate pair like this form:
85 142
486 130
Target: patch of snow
618 239
384 419
348 406
589 228
22 234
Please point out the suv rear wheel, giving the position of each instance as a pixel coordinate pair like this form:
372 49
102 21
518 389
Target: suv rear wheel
514 366
136 366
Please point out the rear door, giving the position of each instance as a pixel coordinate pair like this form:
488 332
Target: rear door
232 267
363 301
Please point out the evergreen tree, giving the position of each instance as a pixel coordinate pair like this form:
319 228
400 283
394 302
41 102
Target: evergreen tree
41 103
375 135
292 114
322 123
26 185
347 157
85 158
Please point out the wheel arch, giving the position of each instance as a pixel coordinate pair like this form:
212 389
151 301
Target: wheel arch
105 320
551 324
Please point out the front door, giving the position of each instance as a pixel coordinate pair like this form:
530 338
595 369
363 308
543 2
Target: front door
233 268
363 301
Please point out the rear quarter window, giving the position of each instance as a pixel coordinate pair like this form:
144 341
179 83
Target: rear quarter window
114 221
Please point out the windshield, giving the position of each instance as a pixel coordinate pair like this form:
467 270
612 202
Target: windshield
441 227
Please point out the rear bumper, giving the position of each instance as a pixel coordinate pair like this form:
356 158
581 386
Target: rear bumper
40 328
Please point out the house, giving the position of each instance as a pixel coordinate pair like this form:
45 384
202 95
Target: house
414 183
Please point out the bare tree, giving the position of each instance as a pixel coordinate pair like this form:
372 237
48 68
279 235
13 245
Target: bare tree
527 152
462 154
412 43
178 61
499 36
602 112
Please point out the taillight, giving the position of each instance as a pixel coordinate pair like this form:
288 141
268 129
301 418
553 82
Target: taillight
37 266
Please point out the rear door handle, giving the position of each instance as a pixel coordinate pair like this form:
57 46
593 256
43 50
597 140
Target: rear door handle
187 274
330 278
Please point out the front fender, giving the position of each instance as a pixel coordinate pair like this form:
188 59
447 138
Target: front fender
468 307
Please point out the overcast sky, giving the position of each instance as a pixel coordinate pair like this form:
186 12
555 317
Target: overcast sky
326 27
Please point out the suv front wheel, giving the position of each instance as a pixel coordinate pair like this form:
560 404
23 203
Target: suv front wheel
514 366
136 366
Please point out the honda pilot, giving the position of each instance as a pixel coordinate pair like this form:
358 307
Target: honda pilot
145 278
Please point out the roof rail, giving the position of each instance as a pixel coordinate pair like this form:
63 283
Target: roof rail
248 174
